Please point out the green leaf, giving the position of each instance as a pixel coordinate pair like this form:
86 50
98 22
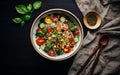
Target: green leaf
22 23
21 9
40 33
29 7
37 4
17 20
26 17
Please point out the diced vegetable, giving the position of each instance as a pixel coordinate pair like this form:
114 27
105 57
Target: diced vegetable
44 30
41 25
41 33
40 41
48 47
62 19
71 26
76 32
42 46
55 19
49 29
53 25
67 49
48 20
76 39
51 53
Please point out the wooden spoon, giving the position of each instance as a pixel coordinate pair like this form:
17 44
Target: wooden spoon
102 43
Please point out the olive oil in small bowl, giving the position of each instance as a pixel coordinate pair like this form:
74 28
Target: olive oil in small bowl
92 20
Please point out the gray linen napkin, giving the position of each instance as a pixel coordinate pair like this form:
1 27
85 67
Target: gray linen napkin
109 62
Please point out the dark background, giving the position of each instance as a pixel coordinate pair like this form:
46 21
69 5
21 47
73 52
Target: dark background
17 55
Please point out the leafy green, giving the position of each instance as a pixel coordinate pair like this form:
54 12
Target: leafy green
72 27
17 20
41 33
48 47
21 9
26 17
29 7
22 23
25 12
44 30
37 4
57 35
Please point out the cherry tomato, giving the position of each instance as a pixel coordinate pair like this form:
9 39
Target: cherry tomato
65 27
40 41
67 49
51 53
49 29
76 31
55 19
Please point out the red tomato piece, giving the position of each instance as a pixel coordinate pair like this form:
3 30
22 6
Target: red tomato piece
76 32
49 29
65 27
51 53
40 41
67 49
55 19
38 29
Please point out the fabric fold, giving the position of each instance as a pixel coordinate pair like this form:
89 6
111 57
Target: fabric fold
109 62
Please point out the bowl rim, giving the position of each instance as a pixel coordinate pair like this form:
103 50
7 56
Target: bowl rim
99 20
63 10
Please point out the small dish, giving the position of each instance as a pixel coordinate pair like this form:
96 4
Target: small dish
92 20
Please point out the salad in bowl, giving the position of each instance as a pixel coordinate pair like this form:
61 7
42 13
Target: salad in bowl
56 34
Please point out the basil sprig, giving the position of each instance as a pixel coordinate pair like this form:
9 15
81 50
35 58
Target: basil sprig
26 12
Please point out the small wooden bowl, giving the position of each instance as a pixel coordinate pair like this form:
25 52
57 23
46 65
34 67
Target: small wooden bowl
92 20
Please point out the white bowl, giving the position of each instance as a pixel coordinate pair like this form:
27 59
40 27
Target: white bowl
35 26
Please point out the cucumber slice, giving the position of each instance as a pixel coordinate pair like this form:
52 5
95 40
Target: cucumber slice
53 25
62 19
41 25
42 46
76 39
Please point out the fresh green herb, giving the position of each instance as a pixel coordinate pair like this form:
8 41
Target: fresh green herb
37 4
21 9
17 20
72 26
47 47
44 30
26 12
57 35
41 33
29 7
